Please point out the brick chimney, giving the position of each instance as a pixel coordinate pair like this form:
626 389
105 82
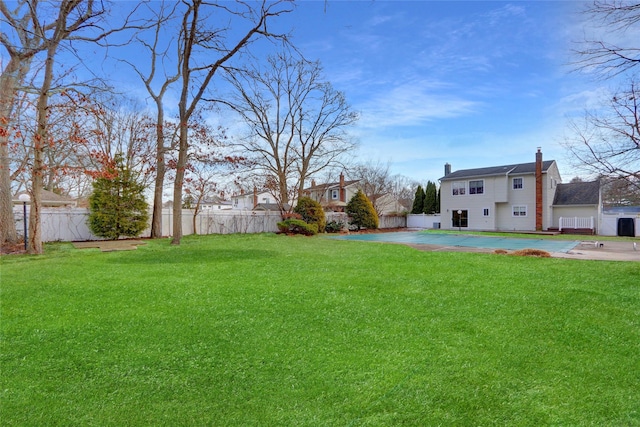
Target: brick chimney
255 197
343 193
313 182
447 169
539 190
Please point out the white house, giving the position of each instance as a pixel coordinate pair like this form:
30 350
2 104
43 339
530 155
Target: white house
516 197
256 200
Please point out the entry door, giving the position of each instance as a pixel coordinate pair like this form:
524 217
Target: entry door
460 219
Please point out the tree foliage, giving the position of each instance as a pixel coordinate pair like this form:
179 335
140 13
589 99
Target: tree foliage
311 212
117 205
430 198
418 201
361 211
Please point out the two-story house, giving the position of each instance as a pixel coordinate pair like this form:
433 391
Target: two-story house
333 196
517 197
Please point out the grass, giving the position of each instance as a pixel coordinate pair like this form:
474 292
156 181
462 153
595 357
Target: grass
263 330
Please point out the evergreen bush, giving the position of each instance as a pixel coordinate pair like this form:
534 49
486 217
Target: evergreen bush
361 211
311 212
334 227
297 226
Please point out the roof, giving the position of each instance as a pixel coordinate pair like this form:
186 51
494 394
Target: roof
577 193
49 198
331 185
516 169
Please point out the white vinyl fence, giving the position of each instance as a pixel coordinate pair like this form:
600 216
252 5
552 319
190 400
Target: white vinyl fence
70 224
423 221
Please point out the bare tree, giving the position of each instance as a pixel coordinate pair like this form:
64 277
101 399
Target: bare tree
202 52
606 142
26 42
39 28
618 53
296 122
157 82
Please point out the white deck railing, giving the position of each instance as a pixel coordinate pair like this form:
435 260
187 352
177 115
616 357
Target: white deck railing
577 222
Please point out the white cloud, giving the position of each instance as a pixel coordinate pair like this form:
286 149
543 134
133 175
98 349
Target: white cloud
412 103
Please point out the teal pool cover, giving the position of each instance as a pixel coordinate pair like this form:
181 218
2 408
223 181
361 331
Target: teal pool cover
487 242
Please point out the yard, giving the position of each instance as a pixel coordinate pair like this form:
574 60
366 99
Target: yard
266 330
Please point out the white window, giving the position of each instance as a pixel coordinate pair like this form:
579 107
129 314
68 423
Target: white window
335 194
485 212
459 188
517 183
519 211
476 187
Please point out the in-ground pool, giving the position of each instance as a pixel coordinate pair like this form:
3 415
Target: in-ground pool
473 241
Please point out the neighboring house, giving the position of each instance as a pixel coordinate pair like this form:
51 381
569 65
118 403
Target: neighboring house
50 199
259 201
517 197
214 204
333 196
389 204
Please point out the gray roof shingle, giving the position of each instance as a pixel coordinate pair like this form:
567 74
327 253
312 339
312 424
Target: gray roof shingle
577 193
516 169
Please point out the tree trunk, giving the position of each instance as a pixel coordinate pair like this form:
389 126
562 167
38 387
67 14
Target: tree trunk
40 140
156 219
10 79
177 185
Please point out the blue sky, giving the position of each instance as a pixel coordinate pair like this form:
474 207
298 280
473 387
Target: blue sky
472 83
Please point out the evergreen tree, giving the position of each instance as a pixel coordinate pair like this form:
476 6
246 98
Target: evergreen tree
361 211
438 201
430 198
418 201
117 206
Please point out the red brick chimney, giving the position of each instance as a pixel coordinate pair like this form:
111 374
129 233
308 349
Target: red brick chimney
539 190
343 194
255 197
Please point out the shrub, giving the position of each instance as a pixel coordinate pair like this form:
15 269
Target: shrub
334 227
311 212
361 211
297 226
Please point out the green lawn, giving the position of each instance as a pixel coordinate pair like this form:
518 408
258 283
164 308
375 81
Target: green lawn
266 330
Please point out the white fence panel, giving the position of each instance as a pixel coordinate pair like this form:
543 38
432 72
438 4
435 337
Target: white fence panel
423 221
70 224
238 222
385 221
